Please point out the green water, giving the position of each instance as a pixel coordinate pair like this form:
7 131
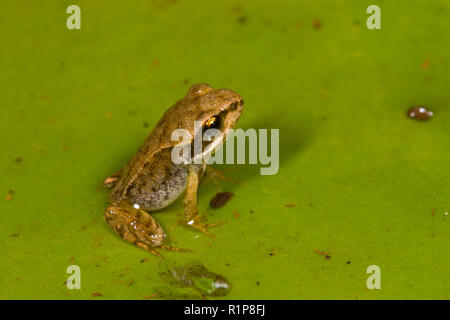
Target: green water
369 185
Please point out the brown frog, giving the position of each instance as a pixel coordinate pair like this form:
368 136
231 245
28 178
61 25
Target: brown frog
152 181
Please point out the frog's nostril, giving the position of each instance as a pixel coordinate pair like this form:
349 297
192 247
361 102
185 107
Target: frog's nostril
241 102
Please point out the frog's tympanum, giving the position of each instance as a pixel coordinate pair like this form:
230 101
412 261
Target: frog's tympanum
152 181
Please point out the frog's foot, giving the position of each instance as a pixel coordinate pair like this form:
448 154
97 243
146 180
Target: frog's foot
214 174
111 180
199 225
170 248
162 246
149 249
138 227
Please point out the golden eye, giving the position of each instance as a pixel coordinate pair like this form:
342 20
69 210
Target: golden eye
212 122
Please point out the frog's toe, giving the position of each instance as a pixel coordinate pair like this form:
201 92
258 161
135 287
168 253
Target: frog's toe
149 249
203 227
170 248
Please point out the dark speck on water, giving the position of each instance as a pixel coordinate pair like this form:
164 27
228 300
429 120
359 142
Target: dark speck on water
242 19
197 277
317 24
419 113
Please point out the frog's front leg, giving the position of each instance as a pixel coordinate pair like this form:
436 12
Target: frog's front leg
112 179
138 227
191 204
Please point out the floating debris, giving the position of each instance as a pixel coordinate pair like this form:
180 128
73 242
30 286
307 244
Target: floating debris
242 19
220 199
97 294
197 277
419 113
317 24
10 195
322 253
290 205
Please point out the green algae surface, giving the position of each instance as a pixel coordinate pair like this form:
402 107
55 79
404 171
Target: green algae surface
359 183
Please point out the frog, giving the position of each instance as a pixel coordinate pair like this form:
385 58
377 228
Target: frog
151 180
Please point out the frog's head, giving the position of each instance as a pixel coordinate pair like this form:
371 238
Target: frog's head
212 109
217 109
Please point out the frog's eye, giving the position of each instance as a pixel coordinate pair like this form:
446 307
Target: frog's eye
211 123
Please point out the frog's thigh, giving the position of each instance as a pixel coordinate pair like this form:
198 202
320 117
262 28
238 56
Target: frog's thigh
190 197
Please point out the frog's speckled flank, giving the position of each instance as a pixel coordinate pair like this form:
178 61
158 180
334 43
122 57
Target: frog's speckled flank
151 181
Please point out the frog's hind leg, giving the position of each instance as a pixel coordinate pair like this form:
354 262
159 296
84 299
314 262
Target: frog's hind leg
138 227
111 180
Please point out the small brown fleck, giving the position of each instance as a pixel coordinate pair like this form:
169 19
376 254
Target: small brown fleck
425 64
322 253
220 199
14 235
145 124
271 254
18 160
348 262
143 260
317 24
419 113
97 294
236 9
290 205
236 214
257 283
